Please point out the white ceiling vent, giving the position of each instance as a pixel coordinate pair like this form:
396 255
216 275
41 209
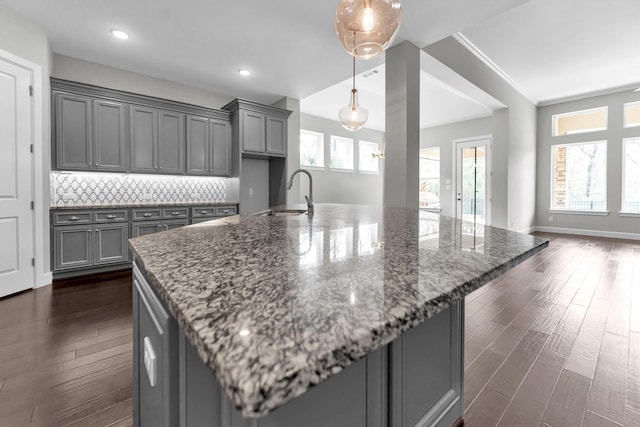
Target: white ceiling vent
370 73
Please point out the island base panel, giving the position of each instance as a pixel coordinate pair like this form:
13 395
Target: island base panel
416 380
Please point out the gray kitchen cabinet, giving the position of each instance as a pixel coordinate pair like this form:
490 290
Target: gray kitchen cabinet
260 130
208 146
152 220
144 139
149 227
276 136
90 134
155 357
110 143
253 128
73 246
197 145
74 136
171 142
111 243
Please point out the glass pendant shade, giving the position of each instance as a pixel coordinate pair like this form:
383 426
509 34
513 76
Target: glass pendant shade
353 117
367 27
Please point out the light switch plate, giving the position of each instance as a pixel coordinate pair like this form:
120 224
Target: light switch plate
150 361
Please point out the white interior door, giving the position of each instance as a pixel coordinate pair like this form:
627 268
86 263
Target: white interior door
16 216
473 180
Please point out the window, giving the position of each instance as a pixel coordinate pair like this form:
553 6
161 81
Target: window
311 149
579 176
582 121
341 153
368 163
632 114
429 178
631 175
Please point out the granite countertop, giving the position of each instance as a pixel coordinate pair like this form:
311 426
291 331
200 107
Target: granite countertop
142 206
275 305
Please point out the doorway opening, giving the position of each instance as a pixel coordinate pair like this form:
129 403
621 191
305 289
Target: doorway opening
473 179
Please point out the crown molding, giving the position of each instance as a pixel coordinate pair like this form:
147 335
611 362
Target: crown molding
464 41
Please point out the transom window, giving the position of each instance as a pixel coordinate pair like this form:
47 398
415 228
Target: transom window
311 148
579 176
591 120
632 114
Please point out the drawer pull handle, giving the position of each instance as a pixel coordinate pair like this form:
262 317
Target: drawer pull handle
204 212
226 211
175 213
111 217
147 215
74 218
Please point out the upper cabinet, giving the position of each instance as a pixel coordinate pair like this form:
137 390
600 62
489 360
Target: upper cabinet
208 146
262 129
90 133
114 131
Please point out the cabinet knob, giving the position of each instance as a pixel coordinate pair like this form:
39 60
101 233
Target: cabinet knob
111 217
147 215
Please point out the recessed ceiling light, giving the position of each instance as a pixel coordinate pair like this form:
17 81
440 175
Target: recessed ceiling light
244 72
119 34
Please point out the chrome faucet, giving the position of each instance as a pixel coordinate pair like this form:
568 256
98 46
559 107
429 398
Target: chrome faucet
308 199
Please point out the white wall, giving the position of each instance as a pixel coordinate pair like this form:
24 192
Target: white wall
78 70
514 151
26 40
443 137
342 187
613 135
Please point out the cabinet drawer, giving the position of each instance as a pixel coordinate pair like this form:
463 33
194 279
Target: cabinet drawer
111 216
203 211
175 213
226 210
61 218
146 214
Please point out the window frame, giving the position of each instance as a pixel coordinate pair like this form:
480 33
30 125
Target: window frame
552 208
368 171
555 117
622 178
337 169
321 151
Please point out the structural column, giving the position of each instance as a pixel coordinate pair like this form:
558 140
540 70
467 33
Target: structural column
402 124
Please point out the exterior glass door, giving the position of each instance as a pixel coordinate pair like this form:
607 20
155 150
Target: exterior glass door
473 202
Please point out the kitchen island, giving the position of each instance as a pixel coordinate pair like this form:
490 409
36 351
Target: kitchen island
351 317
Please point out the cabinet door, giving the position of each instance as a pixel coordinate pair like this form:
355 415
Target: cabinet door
74 138
170 225
276 136
171 142
111 243
220 148
109 135
197 145
253 132
73 247
144 228
144 139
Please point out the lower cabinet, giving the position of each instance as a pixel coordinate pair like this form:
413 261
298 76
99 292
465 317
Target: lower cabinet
90 245
148 227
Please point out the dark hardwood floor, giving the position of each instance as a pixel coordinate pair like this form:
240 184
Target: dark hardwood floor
554 342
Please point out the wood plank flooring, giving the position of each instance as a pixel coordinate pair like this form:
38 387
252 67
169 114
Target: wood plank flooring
555 342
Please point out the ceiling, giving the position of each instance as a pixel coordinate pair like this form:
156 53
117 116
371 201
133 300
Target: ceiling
550 49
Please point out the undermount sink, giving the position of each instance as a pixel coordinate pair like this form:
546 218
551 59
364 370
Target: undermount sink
286 212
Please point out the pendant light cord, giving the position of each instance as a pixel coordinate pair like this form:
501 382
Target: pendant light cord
354 72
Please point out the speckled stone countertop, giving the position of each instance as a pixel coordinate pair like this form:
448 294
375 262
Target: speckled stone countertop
153 205
275 305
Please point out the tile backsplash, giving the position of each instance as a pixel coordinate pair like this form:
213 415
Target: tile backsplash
82 189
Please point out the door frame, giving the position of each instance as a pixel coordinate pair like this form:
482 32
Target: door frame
40 218
470 143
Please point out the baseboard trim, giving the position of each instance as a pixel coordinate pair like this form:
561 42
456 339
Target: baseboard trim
44 279
592 233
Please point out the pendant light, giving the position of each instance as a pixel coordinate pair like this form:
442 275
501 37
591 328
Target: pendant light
367 27
353 117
